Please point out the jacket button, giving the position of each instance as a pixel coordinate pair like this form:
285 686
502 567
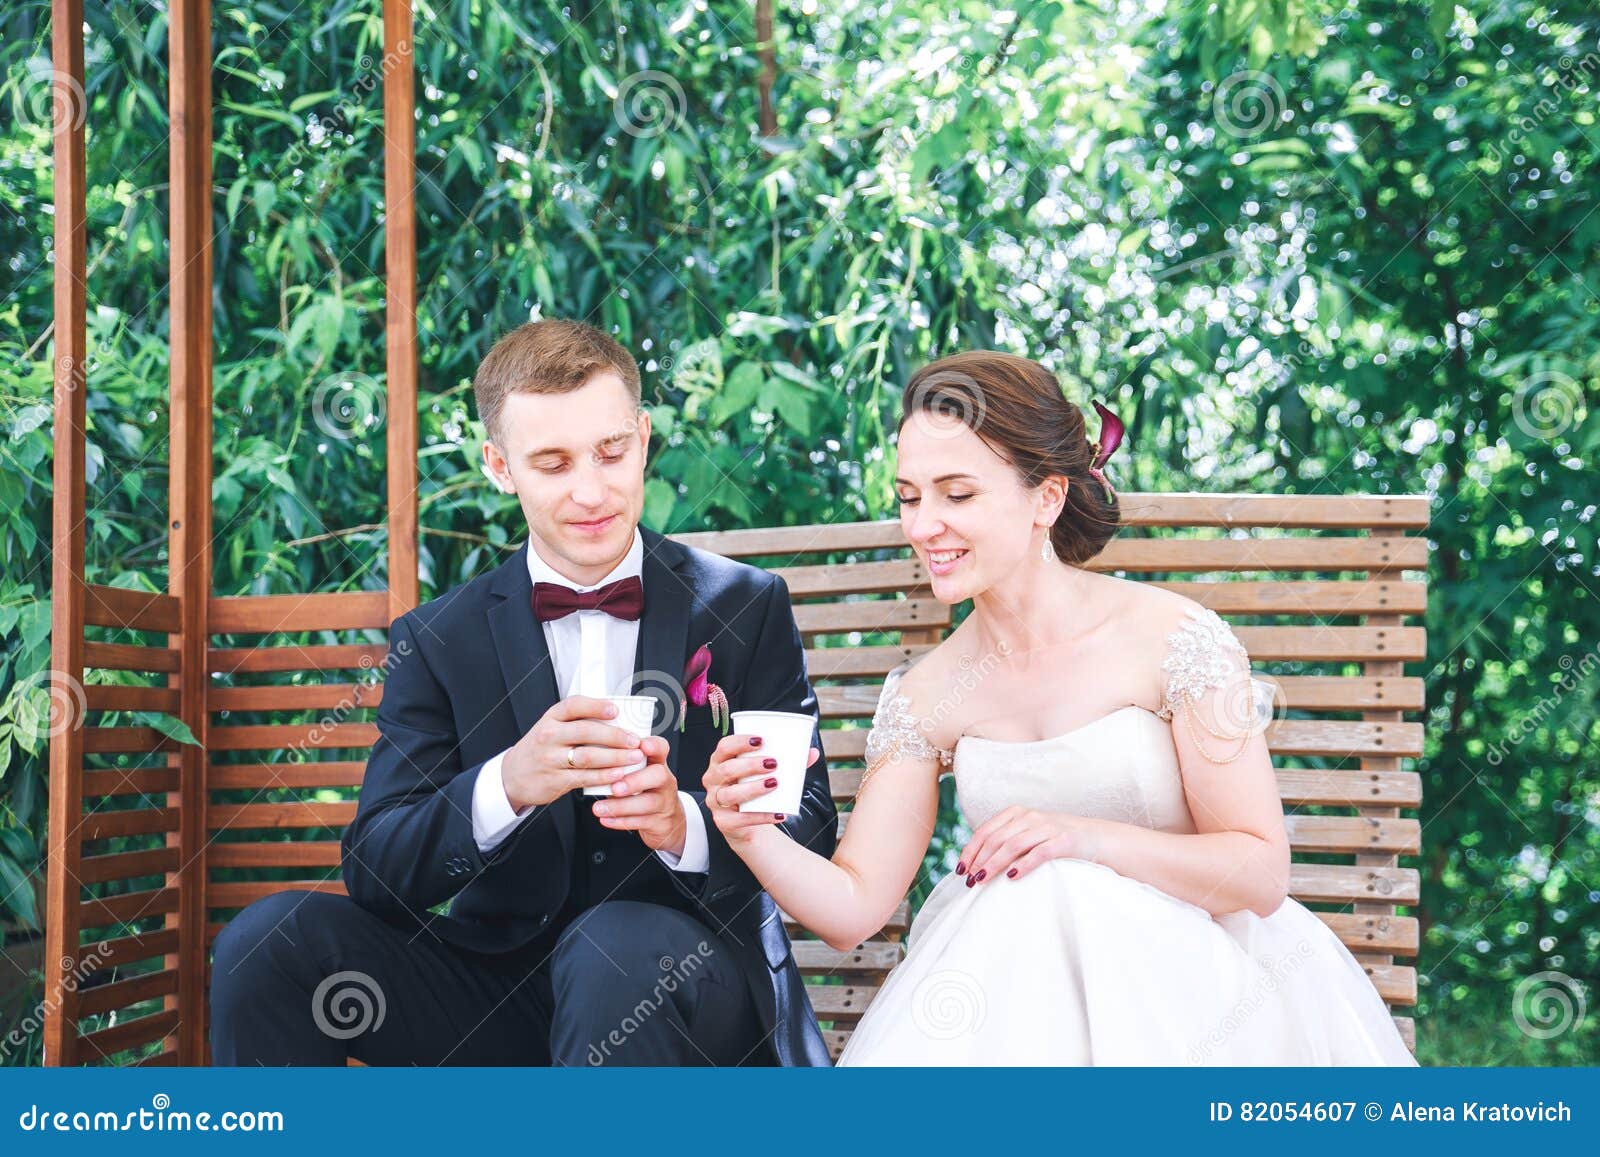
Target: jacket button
543 920
598 857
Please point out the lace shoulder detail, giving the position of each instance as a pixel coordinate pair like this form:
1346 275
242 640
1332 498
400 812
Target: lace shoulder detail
1203 654
897 733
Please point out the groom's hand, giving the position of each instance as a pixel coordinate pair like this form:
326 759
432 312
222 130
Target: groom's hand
647 802
570 747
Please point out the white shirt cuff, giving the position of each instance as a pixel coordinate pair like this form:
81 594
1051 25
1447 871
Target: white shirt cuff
492 817
696 852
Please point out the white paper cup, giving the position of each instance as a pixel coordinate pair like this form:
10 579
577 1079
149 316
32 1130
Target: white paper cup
786 737
635 713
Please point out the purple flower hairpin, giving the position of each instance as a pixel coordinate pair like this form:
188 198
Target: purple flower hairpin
700 691
1111 431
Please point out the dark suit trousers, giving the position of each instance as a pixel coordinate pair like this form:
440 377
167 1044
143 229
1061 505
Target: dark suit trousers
307 978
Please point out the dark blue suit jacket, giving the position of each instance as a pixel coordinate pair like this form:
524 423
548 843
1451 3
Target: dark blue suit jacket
468 674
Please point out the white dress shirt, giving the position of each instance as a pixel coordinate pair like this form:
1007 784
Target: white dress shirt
592 653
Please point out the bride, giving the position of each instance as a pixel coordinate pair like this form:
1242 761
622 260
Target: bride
1123 898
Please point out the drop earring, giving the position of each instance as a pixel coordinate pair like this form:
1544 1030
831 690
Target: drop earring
1047 552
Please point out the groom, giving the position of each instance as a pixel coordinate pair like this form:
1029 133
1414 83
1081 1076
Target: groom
579 930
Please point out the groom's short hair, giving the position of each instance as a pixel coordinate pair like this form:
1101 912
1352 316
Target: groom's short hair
554 356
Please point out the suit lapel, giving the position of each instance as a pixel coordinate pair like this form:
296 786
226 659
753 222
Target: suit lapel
664 629
524 657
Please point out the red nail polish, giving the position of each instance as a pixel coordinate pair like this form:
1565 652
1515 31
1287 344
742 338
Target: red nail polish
1012 872
773 782
780 816
769 764
755 741
961 868
982 872
970 880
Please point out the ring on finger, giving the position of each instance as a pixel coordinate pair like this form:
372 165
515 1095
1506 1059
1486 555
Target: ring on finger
571 753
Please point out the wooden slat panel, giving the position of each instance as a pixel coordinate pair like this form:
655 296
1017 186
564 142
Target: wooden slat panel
140 821
1302 787
1396 983
1300 693
1333 644
126 657
239 895
1350 597
871 615
129 781
99 1046
277 854
858 662
282 736
112 697
1408 1031
1299 787
126 993
109 954
841 1002
280 815
1329 737
875 957
126 740
1373 933
1354 834
273 614
1341 884
127 908
135 610
326 773
1140 508
327 657
128 865
309 697
887 577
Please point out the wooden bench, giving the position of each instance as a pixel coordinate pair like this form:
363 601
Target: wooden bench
1314 585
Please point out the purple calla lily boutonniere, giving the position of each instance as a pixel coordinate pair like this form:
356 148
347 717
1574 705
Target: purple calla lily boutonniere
701 691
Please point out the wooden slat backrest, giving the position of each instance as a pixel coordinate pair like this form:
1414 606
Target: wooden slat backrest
295 679
1325 579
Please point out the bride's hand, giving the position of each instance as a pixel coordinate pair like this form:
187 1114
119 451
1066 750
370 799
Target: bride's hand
737 758
1019 839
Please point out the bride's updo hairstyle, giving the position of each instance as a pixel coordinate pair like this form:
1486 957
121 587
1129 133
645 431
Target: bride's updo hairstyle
1016 406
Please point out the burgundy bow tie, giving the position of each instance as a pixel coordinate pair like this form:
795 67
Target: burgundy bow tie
623 599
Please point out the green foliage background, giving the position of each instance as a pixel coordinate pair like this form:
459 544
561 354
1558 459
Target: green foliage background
1301 247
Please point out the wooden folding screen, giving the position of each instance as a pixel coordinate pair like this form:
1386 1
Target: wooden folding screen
139 823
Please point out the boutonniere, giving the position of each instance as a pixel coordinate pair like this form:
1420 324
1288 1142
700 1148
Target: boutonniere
702 691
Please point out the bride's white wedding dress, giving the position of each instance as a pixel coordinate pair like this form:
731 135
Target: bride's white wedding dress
1076 964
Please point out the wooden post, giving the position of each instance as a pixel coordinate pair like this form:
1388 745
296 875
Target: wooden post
400 283
189 490
64 851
